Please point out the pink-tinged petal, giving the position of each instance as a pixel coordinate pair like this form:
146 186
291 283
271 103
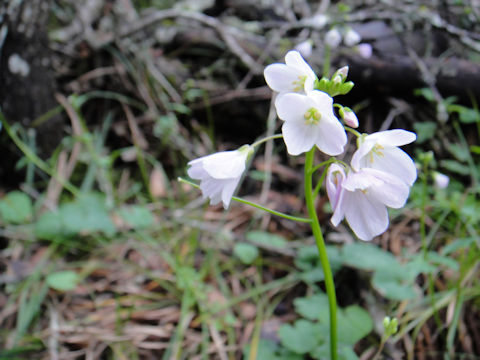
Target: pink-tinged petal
298 136
395 161
331 138
396 137
225 165
392 192
280 77
295 60
333 182
292 106
366 217
358 159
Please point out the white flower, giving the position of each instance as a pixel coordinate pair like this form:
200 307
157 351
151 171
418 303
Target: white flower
362 198
351 37
333 38
304 48
440 180
295 75
380 151
309 121
318 21
220 173
365 50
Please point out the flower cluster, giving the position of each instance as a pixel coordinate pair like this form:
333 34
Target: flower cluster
379 176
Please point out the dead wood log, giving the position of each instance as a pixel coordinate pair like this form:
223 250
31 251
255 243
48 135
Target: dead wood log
452 76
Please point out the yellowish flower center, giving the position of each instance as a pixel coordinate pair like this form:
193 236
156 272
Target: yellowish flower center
300 83
312 116
376 150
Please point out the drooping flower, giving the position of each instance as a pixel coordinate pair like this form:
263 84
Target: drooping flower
362 198
380 151
351 37
309 121
333 38
220 173
293 76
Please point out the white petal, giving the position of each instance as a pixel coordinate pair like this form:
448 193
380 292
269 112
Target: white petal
333 182
332 137
392 192
298 136
228 190
366 217
280 77
358 158
292 106
396 137
295 60
361 180
323 101
225 164
196 170
395 161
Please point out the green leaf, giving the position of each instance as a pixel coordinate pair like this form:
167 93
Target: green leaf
16 208
345 352
267 239
370 257
455 166
85 215
425 130
354 323
302 337
392 288
457 245
446 261
313 307
247 253
63 280
136 216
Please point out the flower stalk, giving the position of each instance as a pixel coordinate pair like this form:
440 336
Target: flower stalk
322 251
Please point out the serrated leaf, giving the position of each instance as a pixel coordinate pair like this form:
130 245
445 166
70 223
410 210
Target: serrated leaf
16 208
247 253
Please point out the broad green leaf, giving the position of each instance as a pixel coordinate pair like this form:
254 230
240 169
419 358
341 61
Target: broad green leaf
322 352
392 288
266 238
85 215
313 307
313 275
266 350
63 280
457 245
302 337
247 253
370 257
354 323
455 166
16 208
136 216
447 261
307 258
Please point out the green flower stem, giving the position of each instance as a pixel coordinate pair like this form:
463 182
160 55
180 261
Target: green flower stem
353 131
243 201
276 136
322 252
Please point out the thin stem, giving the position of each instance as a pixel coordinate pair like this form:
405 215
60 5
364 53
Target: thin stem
353 131
322 252
243 201
276 136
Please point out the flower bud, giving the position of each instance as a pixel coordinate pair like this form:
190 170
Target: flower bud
351 38
440 180
349 117
304 48
333 38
